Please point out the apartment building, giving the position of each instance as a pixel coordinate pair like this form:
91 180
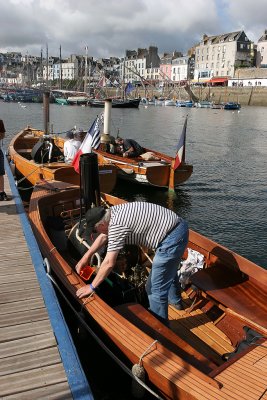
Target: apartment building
180 69
262 51
219 56
140 64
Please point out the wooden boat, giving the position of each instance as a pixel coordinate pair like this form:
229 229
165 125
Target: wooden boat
158 171
215 349
116 103
36 168
153 173
231 105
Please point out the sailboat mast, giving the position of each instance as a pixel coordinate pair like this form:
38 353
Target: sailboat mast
47 64
123 79
60 69
86 69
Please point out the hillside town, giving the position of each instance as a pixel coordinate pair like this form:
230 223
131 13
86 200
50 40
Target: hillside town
228 59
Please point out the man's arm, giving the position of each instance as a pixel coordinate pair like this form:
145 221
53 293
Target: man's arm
104 270
100 241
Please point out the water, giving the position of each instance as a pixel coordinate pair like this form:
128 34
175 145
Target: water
225 198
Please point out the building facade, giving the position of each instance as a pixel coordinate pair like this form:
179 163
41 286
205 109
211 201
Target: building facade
262 51
219 56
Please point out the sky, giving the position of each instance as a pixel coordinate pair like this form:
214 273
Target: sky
109 27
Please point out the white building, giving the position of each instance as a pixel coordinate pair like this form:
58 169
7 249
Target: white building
179 69
262 51
219 56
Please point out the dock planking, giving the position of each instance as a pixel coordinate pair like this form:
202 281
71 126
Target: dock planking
31 365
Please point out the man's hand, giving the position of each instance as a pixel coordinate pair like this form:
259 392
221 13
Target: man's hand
80 265
84 291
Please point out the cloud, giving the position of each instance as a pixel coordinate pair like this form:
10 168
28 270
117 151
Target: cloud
108 28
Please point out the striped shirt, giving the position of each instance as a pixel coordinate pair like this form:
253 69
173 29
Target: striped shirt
139 223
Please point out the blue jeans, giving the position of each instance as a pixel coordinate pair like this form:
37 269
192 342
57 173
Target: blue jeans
164 270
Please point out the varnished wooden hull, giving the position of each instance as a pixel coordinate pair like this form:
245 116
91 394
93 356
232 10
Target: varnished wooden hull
186 365
150 173
159 174
20 154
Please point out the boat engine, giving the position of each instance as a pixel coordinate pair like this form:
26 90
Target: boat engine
45 151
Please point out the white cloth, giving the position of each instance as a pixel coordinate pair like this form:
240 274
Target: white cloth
188 267
71 147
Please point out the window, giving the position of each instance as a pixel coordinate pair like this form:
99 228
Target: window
241 46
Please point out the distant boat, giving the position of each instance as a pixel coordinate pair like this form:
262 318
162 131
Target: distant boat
231 105
62 101
116 103
203 104
170 102
217 106
184 103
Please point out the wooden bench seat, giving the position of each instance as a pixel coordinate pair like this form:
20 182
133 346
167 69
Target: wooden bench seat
22 151
235 290
145 321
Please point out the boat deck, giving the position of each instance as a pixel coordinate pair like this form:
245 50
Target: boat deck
32 365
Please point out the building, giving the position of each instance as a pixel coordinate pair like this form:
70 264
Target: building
180 69
140 64
262 51
219 56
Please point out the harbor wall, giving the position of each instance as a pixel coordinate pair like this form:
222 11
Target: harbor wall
252 96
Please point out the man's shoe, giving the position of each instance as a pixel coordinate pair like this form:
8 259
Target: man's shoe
178 306
3 196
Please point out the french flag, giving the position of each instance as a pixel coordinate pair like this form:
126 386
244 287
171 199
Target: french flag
180 154
91 141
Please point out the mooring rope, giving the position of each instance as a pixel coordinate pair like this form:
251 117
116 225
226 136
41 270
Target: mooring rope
103 346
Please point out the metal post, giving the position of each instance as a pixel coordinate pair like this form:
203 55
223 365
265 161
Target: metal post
46 96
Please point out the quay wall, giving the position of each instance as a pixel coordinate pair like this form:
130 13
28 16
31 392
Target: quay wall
252 96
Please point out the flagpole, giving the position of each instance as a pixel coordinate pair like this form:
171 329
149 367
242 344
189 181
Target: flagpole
177 160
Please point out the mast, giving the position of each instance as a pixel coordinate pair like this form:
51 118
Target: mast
86 69
60 69
123 79
47 65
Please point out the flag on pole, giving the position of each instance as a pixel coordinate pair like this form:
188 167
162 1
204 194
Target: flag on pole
91 141
180 152
129 88
102 82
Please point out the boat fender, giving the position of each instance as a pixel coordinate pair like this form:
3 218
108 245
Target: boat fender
137 390
140 374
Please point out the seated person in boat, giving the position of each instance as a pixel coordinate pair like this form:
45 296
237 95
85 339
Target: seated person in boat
120 225
71 145
130 148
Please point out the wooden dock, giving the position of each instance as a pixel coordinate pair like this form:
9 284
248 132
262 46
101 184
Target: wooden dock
38 357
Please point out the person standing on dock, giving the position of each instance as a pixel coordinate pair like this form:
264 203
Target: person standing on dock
3 195
144 224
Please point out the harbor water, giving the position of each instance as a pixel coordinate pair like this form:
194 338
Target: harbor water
225 198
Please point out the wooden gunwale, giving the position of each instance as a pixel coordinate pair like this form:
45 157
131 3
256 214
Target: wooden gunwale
179 380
